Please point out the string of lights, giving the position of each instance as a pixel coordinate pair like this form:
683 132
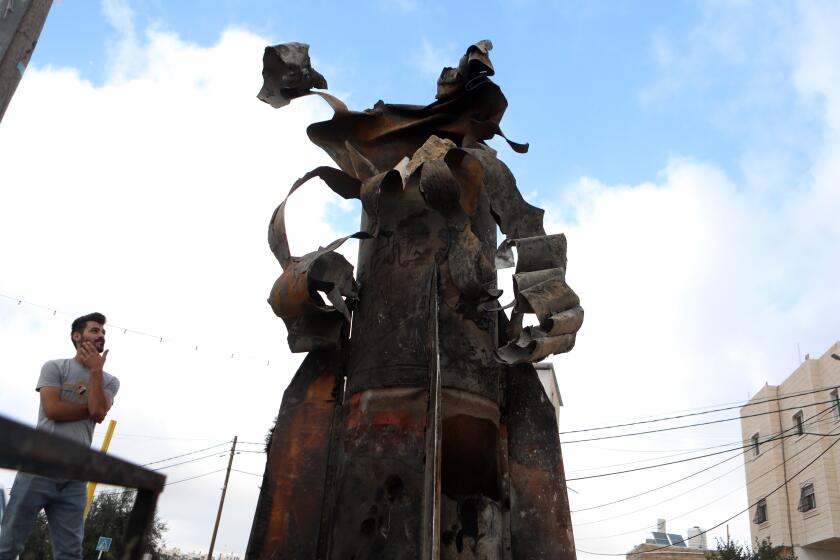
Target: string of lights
160 338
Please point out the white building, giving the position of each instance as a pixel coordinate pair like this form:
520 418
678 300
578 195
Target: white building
545 370
696 538
792 463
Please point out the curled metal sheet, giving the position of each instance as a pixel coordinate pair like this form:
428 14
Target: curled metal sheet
311 322
516 218
449 165
540 288
473 65
382 136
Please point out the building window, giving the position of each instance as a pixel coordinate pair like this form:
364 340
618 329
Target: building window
760 512
799 423
755 446
807 499
836 400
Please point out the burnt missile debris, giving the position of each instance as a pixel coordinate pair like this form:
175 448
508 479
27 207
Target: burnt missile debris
416 426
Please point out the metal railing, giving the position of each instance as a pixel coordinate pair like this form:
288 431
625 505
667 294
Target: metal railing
25 449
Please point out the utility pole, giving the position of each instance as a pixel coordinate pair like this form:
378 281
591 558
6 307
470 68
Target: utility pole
222 500
21 22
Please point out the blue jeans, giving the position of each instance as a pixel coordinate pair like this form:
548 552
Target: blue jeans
64 503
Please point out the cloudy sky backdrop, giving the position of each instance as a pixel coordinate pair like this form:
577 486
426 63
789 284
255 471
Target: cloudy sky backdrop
689 151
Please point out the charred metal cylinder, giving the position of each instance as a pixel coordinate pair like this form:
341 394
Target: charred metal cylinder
422 430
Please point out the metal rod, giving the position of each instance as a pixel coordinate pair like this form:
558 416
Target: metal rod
430 547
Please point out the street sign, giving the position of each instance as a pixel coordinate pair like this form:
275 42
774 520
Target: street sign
104 544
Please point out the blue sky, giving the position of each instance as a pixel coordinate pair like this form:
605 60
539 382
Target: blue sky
690 151
611 89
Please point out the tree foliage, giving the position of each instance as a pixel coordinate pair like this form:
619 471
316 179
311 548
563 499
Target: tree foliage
764 550
108 517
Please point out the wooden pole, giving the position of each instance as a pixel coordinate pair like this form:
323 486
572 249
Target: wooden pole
222 500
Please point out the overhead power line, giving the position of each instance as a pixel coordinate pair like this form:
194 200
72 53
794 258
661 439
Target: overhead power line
646 492
189 461
246 472
127 490
727 520
774 437
679 416
684 426
704 484
185 454
705 469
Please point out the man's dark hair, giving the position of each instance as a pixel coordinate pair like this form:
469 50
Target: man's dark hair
79 324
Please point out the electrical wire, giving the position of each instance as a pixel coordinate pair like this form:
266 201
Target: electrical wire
127 490
670 428
665 501
782 485
627 498
774 399
685 452
189 461
779 435
194 477
246 472
185 454
830 434
705 469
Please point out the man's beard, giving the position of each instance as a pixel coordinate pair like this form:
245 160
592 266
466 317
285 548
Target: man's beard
98 343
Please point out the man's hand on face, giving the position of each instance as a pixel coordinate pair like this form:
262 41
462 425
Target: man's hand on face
91 358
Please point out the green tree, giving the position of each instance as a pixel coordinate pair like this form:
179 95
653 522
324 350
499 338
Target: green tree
764 550
108 517
727 550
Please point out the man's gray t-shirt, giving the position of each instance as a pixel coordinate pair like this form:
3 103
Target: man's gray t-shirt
73 379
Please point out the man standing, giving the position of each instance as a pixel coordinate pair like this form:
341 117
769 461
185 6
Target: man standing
76 393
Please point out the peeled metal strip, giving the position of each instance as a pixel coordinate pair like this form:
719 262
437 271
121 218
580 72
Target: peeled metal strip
546 293
516 218
310 323
534 346
340 182
540 252
565 322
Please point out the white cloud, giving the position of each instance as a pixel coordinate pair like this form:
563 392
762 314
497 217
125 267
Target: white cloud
148 199
695 291
699 289
431 59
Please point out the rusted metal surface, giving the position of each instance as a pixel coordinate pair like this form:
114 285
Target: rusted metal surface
292 493
425 457
41 453
541 527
